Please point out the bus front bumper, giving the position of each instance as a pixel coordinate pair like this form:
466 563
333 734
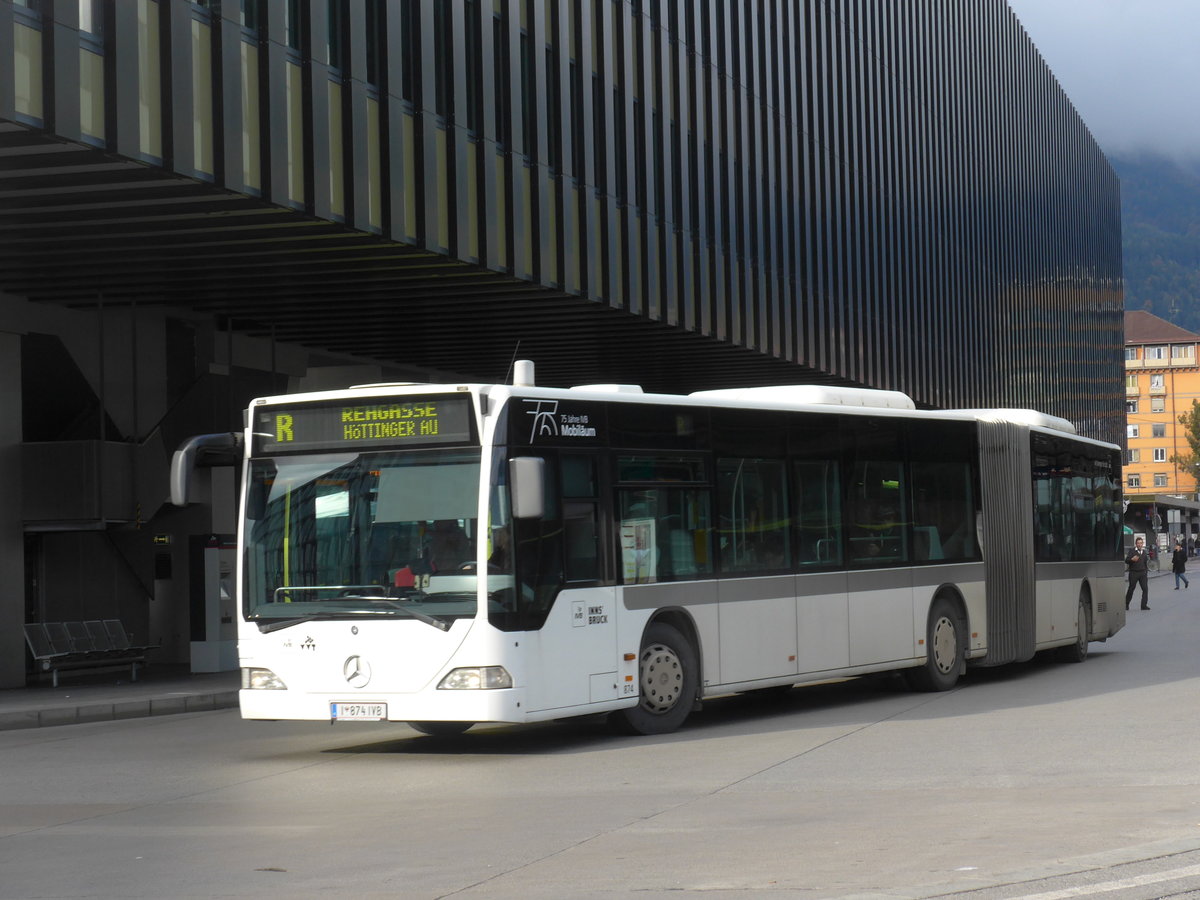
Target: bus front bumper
504 705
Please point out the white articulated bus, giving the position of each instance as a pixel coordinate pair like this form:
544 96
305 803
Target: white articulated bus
451 554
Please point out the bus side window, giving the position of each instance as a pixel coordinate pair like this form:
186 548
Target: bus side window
752 500
877 513
943 511
664 534
665 527
539 554
818 512
581 518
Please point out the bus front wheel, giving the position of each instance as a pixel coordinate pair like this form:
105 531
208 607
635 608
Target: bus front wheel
668 677
943 649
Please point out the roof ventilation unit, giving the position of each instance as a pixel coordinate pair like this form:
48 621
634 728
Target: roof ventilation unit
1029 417
608 388
818 394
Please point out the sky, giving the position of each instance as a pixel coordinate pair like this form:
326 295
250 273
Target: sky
1131 67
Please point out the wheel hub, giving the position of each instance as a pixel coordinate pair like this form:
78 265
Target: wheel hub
662 679
945 646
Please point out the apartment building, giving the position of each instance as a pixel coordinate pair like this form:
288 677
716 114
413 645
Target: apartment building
1162 378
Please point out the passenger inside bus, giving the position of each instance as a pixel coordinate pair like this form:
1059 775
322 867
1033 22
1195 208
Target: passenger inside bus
449 546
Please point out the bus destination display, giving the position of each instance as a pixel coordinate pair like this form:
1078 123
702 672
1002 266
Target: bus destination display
412 421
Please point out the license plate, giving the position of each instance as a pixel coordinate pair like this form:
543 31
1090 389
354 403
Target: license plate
358 712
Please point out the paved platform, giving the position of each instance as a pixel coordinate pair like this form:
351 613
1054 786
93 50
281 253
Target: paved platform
160 690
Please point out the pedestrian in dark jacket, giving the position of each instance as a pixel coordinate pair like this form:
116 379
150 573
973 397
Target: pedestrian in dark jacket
1179 565
1137 563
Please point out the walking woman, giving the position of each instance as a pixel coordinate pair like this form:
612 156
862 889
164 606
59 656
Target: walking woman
1179 564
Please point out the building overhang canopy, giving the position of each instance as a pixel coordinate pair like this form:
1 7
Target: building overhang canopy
82 228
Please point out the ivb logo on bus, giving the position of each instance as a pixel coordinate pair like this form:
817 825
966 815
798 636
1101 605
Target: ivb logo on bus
548 421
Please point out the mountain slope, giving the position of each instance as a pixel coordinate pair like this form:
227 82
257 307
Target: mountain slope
1160 206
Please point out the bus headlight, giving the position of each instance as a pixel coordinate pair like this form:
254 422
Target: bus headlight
261 680
476 678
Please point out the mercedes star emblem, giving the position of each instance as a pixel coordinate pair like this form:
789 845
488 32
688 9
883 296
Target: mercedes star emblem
357 671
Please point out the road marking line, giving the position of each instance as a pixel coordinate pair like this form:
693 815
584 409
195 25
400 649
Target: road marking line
1120 884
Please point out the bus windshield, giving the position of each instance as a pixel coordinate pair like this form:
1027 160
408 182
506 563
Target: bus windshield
346 535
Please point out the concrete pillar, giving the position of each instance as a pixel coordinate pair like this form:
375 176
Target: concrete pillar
12 535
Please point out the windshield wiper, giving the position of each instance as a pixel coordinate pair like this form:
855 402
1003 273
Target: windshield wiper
279 624
427 619
266 627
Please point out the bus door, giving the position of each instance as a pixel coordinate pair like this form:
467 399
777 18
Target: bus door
879 580
577 646
757 592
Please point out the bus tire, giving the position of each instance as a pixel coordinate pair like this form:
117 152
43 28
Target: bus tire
668 679
440 729
1078 651
944 634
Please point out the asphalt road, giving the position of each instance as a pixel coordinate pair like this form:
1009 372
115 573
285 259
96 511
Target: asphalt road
1045 780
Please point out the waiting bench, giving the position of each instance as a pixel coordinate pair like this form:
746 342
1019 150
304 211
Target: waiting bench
97 644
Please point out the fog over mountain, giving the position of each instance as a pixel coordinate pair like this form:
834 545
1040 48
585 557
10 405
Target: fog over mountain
1132 70
1160 235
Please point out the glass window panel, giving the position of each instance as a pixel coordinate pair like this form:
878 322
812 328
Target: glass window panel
943 511
664 534
91 94
753 535
579 476
332 533
660 468
581 535
1083 516
27 70
877 513
818 513
202 97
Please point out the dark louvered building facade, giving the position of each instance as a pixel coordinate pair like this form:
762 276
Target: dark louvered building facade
204 202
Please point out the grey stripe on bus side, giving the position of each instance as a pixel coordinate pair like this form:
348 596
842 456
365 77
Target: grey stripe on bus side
770 587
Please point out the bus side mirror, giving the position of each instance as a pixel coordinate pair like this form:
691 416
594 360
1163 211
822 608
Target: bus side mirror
525 481
203 450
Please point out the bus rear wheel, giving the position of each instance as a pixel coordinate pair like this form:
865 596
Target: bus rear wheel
440 729
1078 651
668 676
943 649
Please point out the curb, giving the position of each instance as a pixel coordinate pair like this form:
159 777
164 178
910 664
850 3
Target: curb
124 709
